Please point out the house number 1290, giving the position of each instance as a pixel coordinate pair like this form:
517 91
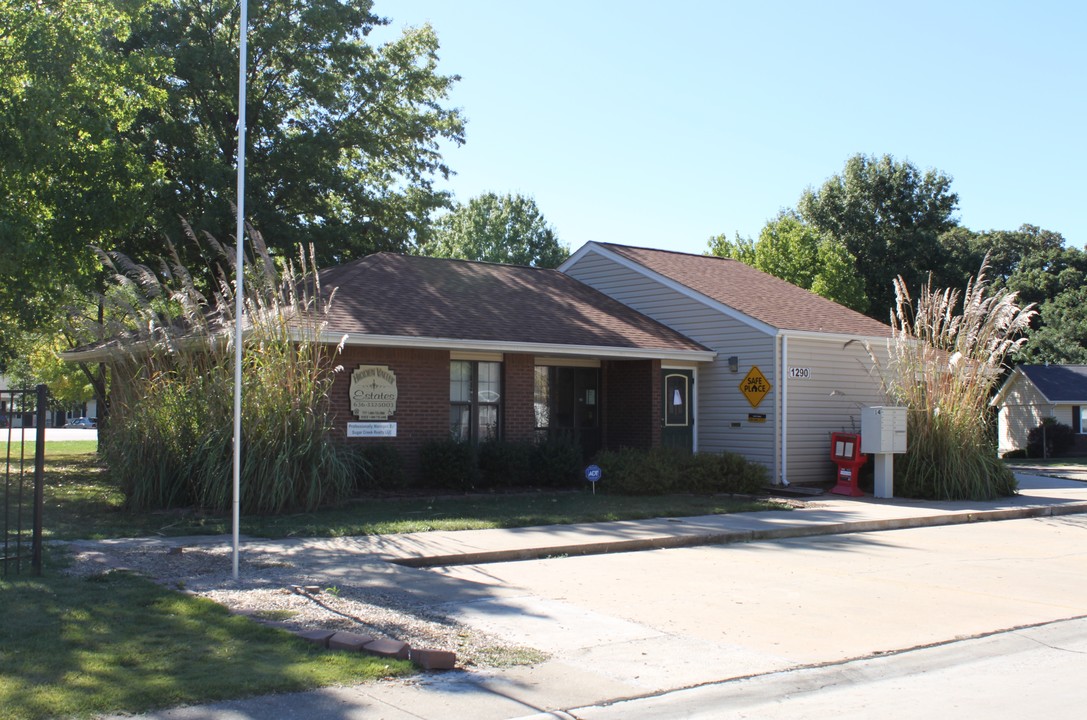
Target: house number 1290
800 373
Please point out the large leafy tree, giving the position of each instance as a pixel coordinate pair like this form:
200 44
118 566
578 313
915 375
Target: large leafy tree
1038 266
1062 337
1029 258
889 215
118 117
68 97
344 136
497 228
792 250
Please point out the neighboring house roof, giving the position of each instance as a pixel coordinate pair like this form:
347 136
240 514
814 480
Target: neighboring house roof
763 297
437 301
1063 384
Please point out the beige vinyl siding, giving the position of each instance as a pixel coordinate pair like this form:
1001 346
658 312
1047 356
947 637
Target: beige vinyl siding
1023 408
1063 414
722 421
842 380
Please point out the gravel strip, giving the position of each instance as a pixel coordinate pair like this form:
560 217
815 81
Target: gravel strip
274 591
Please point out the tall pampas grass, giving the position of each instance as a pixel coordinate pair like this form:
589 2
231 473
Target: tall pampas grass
944 361
170 433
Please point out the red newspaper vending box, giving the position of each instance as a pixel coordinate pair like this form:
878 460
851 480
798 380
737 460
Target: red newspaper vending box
845 451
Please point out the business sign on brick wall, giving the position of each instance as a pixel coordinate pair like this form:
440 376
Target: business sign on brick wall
371 429
373 392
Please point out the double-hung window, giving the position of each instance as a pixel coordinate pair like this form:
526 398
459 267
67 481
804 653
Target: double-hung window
475 398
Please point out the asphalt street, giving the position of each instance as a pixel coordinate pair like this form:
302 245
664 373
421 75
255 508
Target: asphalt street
1034 672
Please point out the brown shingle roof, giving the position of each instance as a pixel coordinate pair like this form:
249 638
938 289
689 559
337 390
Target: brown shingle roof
422 297
754 293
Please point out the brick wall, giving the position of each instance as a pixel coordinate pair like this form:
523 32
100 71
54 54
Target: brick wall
422 406
631 390
519 383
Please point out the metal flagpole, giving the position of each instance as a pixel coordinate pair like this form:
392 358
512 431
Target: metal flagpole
239 277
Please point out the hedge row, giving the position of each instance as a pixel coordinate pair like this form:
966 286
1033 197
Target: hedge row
556 463
666 470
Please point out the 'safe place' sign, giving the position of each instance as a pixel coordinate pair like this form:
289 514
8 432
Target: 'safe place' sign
373 392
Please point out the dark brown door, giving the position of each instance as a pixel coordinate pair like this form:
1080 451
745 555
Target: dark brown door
677 415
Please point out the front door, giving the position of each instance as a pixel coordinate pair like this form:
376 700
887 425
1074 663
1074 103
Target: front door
677 416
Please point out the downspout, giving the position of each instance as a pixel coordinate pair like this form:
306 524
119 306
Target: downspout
784 408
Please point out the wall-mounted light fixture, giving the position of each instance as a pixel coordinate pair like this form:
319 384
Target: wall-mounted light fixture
734 363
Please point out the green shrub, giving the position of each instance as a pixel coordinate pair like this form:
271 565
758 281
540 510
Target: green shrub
723 473
504 464
449 465
668 470
1049 438
632 471
381 468
556 462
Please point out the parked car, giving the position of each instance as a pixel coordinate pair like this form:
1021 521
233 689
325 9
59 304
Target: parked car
81 422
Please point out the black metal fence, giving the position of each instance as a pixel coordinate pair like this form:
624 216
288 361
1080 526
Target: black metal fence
22 430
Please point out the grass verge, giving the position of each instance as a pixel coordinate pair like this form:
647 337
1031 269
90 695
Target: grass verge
81 502
1072 462
75 647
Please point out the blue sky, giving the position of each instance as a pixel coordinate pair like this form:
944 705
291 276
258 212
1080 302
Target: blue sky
662 124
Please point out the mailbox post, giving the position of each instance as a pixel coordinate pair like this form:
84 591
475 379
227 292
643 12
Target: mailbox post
845 451
883 433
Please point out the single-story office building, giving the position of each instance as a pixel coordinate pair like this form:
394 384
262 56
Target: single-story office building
620 346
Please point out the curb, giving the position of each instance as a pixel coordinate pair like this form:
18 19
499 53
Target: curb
963 517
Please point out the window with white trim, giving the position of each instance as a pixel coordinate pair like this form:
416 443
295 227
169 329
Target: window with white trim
475 398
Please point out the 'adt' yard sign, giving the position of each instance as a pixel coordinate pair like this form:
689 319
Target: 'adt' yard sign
593 473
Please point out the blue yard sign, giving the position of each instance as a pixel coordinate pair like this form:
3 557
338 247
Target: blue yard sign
593 473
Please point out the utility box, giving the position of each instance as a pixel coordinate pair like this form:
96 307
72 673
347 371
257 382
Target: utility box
883 433
883 430
845 451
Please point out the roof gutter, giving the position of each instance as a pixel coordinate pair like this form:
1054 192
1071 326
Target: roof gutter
552 349
102 354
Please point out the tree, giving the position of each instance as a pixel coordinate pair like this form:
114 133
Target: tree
889 216
70 177
1036 264
739 248
1062 337
505 229
119 117
343 135
794 251
1029 258
39 362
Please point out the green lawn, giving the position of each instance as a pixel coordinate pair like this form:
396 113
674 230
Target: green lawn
73 647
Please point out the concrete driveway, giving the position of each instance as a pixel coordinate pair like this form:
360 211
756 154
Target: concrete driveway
645 622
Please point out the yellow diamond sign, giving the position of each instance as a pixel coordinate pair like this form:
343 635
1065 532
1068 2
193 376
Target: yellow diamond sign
755 386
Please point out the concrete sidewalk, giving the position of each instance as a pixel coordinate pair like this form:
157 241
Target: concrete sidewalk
617 646
827 514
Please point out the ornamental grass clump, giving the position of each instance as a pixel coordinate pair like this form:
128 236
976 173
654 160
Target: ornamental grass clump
943 365
170 431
